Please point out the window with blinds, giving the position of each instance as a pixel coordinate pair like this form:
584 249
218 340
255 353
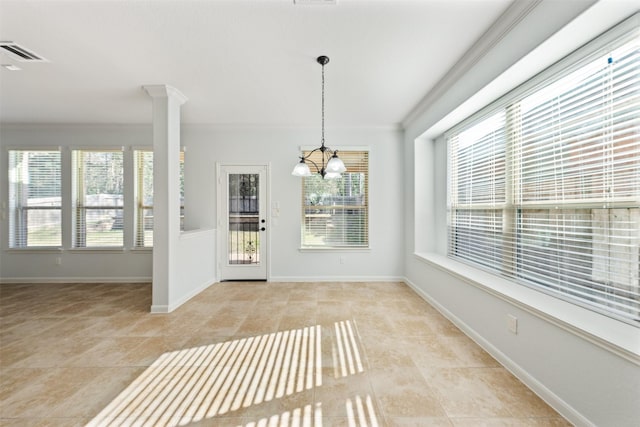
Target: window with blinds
144 197
98 198
335 212
35 210
546 190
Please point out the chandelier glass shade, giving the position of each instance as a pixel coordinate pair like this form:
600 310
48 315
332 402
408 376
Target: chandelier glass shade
329 165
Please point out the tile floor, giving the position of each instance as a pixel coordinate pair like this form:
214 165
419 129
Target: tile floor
248 354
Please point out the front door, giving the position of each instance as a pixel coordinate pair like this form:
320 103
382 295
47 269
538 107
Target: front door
242 222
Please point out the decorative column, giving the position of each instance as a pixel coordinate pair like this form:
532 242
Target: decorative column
166 191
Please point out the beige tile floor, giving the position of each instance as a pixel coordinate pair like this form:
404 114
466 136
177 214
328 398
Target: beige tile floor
248 354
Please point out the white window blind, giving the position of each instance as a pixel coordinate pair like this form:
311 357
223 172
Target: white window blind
477 195
99 198
144 197
35 198
546 190
335 212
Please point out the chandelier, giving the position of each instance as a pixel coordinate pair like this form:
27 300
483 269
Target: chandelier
330 167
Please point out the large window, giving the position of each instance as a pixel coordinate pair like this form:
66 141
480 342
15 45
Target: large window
144 197
34 198
335 212
546 189
98 198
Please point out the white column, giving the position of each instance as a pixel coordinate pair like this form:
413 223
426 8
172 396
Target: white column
166 192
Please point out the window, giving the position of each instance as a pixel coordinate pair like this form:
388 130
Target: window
34 199
335 212
98 198
144 197
545 190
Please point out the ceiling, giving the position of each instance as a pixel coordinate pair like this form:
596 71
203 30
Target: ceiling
239 62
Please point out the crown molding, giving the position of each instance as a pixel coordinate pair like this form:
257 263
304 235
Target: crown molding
509 19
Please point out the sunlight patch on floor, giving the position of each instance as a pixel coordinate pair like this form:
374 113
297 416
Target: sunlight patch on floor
346 356
309 416
206 381
361 412
198 383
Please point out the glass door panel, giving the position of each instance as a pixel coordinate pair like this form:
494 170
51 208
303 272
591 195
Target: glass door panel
244 219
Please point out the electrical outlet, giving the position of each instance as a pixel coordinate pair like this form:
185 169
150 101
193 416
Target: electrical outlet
59 260
341 260
512 323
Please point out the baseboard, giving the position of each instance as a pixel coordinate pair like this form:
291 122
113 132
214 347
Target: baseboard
169 308
536 386
159 309
190 295
148 279
143 279
336 279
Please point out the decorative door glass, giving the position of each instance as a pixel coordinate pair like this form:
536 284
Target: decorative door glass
244 222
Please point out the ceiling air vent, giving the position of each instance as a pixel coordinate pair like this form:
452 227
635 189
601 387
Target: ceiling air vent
20 53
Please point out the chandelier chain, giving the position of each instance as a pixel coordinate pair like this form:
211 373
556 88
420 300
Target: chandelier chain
328 159
322 127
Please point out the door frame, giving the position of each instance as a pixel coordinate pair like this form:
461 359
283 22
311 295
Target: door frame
266 238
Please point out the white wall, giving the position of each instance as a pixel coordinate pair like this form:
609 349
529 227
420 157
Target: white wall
204 147
279 147
76 265
194 269
589 380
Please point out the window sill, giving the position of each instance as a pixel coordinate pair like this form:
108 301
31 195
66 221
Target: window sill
141 250
35 250
96 250
46 250
350 250
613 335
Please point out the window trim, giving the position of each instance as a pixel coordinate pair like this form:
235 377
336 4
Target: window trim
335 249
139 207
34 249
76 206
578 58
324 249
